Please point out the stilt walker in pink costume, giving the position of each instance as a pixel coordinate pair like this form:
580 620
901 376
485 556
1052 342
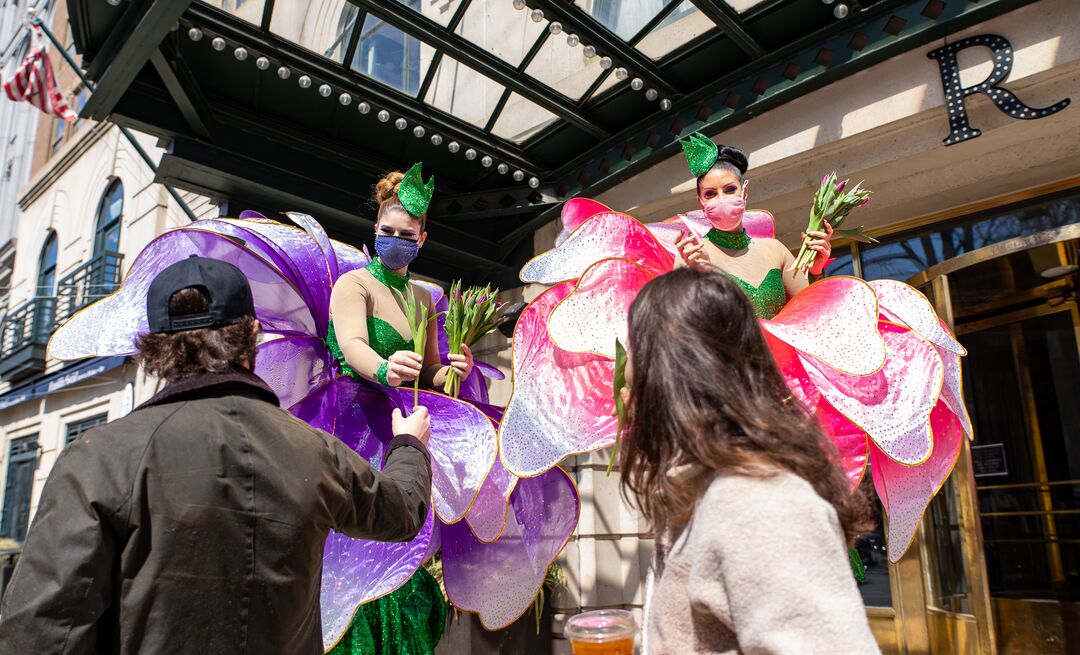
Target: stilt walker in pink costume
870 360
496 535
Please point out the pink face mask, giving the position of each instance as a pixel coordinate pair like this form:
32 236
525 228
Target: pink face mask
725 212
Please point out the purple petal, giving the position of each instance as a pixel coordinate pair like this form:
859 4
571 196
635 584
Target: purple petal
462 448
357 571
487 517
499 581
488 370
111 326
292 366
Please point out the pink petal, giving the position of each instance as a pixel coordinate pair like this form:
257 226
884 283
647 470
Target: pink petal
906 491
560 402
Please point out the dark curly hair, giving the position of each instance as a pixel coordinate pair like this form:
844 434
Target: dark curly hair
197 352
713 401
728 159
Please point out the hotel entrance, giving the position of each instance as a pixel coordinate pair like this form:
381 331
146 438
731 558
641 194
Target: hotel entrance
997 566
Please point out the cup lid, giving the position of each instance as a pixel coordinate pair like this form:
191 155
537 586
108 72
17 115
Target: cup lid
601 625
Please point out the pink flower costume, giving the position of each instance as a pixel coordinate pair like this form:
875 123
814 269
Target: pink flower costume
870 360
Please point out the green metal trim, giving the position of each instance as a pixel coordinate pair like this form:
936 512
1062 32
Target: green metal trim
479 59
607 43
150 24
899 28
729 21
289 54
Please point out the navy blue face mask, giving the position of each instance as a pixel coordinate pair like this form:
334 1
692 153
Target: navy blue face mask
395 252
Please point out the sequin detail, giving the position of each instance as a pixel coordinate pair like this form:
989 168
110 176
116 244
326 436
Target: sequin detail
413 194
730 240
407 621
769 297
380 272
383 338
701 153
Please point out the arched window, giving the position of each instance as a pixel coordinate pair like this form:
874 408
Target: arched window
109 214
47 267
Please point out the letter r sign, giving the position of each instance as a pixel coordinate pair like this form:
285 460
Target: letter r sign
1003 99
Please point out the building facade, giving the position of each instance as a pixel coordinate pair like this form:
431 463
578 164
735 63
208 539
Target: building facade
87 206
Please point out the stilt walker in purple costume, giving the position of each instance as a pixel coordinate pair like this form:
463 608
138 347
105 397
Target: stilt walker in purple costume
336 347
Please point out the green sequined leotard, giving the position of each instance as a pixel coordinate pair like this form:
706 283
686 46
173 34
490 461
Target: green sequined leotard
411 619
768 297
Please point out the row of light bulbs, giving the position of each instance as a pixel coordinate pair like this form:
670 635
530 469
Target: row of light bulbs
364 107
573 40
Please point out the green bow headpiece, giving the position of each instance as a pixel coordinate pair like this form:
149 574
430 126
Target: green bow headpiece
701 153
415 196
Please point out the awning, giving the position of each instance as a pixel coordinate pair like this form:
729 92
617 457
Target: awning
513 106
67 377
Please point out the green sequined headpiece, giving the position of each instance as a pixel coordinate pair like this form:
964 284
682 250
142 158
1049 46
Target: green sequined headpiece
414 194
701 153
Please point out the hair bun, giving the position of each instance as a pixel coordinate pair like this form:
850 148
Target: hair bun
735 157
387 187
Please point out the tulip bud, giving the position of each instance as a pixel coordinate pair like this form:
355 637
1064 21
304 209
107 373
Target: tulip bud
841 185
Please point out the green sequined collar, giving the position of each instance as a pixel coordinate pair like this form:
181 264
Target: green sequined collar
730 240
380 272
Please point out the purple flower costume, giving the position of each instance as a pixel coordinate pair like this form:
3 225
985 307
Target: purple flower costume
498 533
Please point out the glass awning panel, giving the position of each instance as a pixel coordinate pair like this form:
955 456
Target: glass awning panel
462 92
623 17
440 11
564 68
322 27
743 5
248 10
521 119
682 26
500 29
386 54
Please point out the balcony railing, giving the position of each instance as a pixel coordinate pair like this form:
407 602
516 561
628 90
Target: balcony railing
88 283
24 334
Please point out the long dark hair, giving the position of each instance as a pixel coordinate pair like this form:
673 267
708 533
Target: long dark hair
707 396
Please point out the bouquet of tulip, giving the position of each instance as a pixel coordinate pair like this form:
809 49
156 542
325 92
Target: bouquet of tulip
416 313
472 315
832 204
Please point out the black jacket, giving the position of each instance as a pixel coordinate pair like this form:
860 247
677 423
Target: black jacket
196 525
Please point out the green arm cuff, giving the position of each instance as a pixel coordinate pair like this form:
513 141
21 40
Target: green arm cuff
380 375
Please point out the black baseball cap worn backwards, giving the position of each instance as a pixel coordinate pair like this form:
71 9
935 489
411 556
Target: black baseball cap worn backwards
224 284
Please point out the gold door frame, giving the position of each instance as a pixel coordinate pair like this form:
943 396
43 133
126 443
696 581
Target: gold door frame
917 627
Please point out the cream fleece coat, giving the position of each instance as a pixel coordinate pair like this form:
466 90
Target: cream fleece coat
760 569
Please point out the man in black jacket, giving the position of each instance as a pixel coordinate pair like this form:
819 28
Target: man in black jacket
196 524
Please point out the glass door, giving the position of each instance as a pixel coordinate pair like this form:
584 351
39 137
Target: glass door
1002 540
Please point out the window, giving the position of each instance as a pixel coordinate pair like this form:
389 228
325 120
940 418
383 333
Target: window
46 286
59 129
75 430
109 213
22 463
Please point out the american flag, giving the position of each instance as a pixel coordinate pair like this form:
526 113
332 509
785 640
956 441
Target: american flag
34 82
